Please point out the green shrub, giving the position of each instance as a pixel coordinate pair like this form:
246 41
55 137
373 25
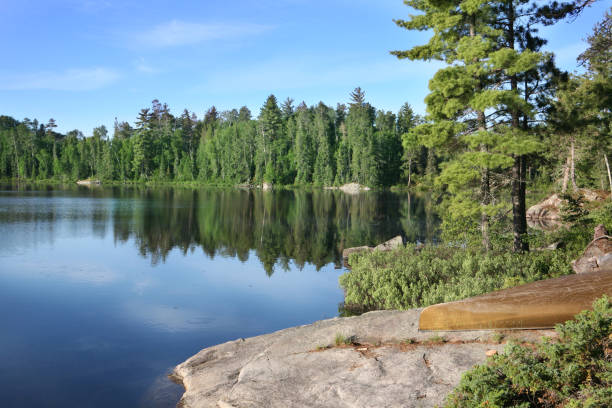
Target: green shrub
576 371
407 278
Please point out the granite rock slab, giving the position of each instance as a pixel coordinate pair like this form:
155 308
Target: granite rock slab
302 366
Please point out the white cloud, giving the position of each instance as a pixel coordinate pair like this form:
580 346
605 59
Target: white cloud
177 33
142 66
79 79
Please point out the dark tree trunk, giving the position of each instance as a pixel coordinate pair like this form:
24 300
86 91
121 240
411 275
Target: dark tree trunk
519 216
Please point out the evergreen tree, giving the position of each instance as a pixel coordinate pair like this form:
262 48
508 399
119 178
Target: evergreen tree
360 137
481 77
270 133
324 134
304 145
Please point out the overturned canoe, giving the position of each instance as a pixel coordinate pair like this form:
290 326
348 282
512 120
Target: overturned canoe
535 305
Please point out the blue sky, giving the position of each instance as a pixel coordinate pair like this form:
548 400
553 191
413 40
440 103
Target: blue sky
84 63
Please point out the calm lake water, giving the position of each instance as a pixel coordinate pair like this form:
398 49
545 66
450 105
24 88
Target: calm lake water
104 290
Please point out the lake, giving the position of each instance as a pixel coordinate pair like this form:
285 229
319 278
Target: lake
103 290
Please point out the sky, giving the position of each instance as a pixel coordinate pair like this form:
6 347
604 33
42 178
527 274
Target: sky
85 63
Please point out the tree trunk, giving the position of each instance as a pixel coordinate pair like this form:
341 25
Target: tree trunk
484 201
566 172
409 170
485 190
430 169
519 218
573 167
609 176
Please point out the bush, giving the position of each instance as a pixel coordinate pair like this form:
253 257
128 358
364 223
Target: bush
576 371
407 278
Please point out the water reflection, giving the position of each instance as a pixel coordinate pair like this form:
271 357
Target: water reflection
278 226
103 290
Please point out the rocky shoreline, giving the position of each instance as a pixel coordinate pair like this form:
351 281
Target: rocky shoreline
376 359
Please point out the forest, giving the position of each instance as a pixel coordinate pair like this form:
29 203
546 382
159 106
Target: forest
500 116
284 145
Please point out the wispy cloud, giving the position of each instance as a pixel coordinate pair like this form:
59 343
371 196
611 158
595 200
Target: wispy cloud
177 33
80 79
143 67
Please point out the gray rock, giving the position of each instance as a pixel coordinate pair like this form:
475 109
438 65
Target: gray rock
300 367
353 188
597 255
348 251
391 244
548 209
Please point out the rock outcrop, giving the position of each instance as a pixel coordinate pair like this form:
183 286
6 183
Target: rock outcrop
302 366
548 209
88 182
353 188
597 256
350 188
389 245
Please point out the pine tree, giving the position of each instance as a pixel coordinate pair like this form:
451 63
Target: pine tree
270 131
323 173
481 77
360 138
304 145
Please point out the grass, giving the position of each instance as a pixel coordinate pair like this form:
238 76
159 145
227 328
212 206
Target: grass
436 339
498 337
342 339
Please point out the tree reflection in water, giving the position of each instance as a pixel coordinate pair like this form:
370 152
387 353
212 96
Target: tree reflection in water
279 226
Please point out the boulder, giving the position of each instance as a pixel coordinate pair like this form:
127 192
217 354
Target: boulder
548 209
266 186
89 182
391 244
302 366
544 224
592 195
353 188
348 251
597 256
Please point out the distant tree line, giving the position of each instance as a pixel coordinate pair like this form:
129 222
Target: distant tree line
284 145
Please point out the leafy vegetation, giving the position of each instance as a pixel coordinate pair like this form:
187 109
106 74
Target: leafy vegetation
409 277
575 371
285 145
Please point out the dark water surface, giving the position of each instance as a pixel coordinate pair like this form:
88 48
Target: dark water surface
104 290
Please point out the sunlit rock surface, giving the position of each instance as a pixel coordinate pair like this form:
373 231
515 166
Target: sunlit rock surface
539 304
389 245
297 368
548 209
597 257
